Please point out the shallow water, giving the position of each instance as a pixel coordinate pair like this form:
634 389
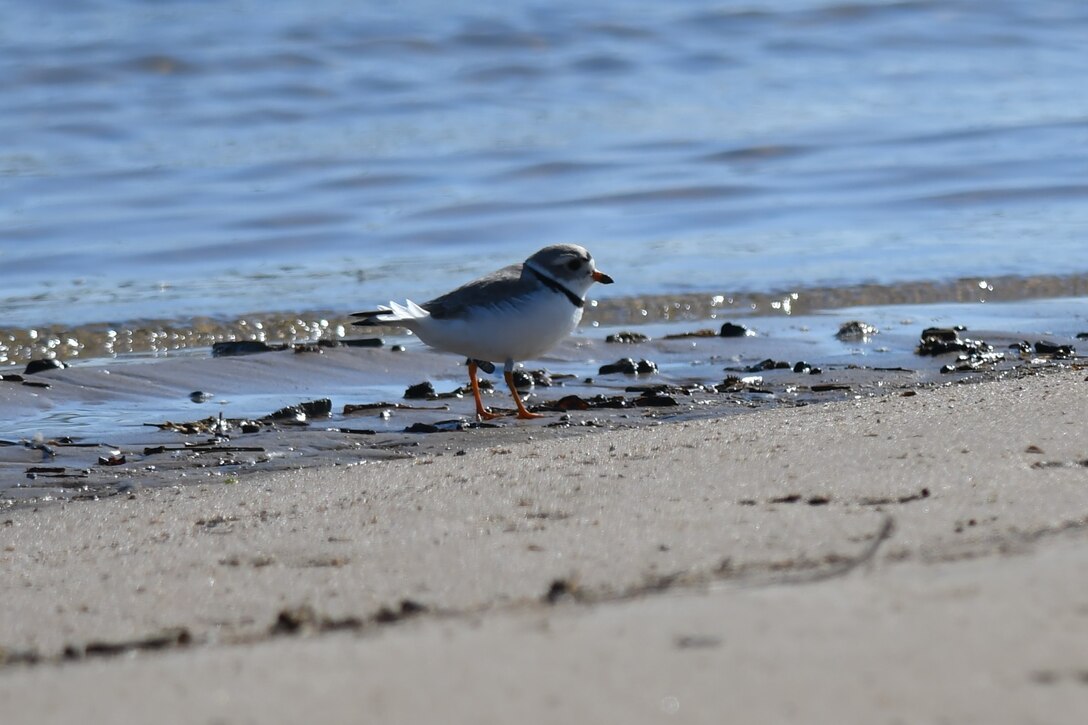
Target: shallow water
171 160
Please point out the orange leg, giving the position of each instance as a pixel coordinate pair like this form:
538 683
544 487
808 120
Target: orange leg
522 412
481 412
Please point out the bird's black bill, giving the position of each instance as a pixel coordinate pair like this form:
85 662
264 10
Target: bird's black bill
601 277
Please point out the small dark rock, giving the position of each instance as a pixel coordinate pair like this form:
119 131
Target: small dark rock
768 364
363 342
397 348
801 367
856 331
199 396
695 333
37 366
418 391
603 401
525 379
243 347
732 329
249 426
942 340
114 459
442 426
1082 335
944 334
656 400
408 608
1024 347
300 413
541 378
290 621
627 338
571 402
627 366
558 590
321 408
1061 352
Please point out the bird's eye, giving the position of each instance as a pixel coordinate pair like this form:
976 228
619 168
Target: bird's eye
574 264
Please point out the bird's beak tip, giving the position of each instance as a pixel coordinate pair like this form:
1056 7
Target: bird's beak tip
601 277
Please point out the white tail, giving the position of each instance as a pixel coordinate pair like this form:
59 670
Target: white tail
401 313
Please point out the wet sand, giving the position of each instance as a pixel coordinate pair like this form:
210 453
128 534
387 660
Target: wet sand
110 426
920 556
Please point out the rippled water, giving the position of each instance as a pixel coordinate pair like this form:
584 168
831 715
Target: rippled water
175 159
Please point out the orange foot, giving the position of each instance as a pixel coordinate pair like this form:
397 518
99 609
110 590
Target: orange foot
523 412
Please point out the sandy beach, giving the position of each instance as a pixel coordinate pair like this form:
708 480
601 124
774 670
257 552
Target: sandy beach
917 557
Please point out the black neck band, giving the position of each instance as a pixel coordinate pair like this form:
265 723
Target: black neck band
555 286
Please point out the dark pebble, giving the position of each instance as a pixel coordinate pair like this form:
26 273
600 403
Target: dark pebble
856 330
572 402
602 401
1062 352
656 400
542 378
300 413
442 426
732 329
420 391
801 367
363 342
37 366
1024 348
627 366
199 396
558 590
768 364
525 379
243 347
627 338
321 408
1082 335
696 333
942 340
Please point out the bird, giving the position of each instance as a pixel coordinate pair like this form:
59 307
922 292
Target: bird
514 313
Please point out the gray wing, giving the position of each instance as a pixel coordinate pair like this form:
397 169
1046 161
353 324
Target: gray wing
493 289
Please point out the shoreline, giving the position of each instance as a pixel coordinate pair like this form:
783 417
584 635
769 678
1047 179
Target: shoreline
658 552
94 431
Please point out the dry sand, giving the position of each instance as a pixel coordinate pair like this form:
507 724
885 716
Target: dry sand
897 559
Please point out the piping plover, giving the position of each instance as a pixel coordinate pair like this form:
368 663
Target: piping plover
515 313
